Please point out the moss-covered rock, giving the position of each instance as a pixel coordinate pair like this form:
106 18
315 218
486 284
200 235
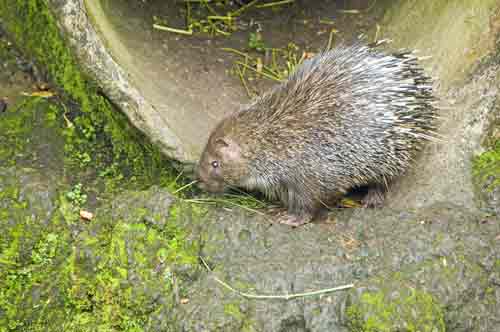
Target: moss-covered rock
34 244
31 135
99 134
111 274
486 174
399 309
123 271
486 166
59 272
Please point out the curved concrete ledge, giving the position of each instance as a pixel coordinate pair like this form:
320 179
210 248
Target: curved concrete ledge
174 104
98 63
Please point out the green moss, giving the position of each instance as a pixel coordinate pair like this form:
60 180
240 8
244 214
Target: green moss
33 252
128 266
97 134
410 310
58 272
182 251
486 168
112 274
233 309
117 286
14 129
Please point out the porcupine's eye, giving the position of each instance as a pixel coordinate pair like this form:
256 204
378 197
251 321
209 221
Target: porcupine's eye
215 164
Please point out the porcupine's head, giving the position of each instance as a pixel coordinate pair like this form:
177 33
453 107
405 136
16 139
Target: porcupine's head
221 164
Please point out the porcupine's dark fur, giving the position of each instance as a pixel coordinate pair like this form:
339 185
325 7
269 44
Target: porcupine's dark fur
349 117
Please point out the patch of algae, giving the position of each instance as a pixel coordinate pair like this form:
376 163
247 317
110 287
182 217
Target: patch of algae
412 310
60 273
31 253
233 310
393 303
98 133
23 126
112 274
13 130
486 168
123 274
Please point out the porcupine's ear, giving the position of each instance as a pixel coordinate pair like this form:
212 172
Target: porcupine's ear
228 148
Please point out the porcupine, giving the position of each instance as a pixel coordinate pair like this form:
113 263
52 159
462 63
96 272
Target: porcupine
349 117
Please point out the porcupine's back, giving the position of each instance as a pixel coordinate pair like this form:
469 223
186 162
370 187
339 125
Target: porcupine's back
351 116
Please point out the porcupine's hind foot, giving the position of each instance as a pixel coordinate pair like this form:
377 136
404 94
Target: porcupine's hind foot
294 220
375 197
280 215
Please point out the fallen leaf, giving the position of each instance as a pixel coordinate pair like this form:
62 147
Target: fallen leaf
349 203
86 215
